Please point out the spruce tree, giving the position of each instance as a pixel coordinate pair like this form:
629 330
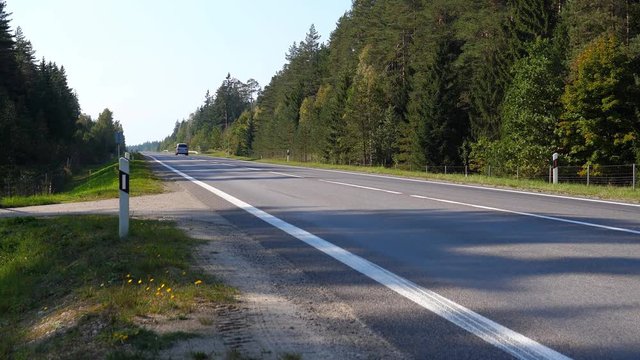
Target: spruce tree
528 20
438 122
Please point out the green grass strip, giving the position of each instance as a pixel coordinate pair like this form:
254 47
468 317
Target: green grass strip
76 271
95 184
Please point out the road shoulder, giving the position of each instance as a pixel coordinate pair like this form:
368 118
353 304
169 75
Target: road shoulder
278 311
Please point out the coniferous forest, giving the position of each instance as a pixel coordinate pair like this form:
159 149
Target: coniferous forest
413 83
43 135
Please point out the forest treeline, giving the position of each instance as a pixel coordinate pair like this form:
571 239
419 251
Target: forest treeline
41 126
410 83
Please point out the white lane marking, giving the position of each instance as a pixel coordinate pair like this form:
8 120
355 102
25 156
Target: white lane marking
361 187
630 231
464 186
500 336
201 170
285 174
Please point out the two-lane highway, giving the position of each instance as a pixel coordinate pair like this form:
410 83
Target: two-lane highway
445 270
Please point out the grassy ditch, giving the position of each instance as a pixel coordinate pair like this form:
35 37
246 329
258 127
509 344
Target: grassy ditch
95 184
592 191
70 288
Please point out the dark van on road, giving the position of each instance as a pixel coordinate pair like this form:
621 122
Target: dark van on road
182 148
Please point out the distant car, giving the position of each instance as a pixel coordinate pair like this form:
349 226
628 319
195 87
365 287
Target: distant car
182 149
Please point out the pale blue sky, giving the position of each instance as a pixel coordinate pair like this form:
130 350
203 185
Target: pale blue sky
151 62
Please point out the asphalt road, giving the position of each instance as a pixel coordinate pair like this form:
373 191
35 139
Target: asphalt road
520 275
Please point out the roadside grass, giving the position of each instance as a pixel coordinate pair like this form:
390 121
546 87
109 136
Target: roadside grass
222 154
70 288
95 183
592 191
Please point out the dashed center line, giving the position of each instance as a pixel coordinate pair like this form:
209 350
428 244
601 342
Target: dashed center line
223 164
285 174
361 187
545 217
553 218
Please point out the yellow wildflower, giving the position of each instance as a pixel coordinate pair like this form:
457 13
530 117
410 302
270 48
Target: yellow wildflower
172 296
129 281
168 290
161 286
128 275
140 281
198 282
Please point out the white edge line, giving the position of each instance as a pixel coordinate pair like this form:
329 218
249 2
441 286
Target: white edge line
460 185
500 336
360 186
576 222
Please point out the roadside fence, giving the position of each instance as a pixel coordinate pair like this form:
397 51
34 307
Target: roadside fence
614 175
611 175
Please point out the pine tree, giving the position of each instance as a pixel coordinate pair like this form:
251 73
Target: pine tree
8 64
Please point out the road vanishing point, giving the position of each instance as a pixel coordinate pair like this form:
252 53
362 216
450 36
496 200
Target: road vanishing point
440 270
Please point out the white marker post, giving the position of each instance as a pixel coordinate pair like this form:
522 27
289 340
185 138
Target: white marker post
124 197
555 167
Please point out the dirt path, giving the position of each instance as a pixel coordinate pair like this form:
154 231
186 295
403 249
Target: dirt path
279 312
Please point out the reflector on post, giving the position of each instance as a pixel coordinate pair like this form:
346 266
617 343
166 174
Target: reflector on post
124 197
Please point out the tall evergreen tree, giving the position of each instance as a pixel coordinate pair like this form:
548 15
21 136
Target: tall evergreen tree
528 20
8 64
438 122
